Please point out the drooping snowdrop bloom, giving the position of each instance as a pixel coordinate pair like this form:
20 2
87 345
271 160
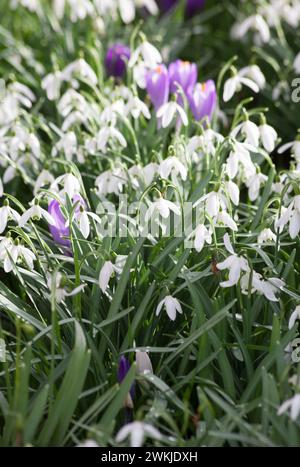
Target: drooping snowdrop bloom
202 235
268 287
233 192
266 236
59 231
106 273
254 73
256 23
292 406
234 84
202 99
128 7
111 182
239 158
44 178
207 143
295 316
143 363
162 207
291 215
12 253
172 166
268 137
136 107
137 431
55 283
158 85
79 69
253 183
16 95
171 305
67 144
82 216
70 184
234 263
36 213
250 131
182 73
168 111
295 149
213 203
116 60
52 84
7 213
108 134
150 55
149 172
223 218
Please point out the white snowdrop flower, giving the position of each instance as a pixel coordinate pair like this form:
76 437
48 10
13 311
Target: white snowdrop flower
268 137
106 273
171 305
250 131
168 111
137 431
12 253
266 236
285 216
51 84
150 55
80 9
254 73
292 406
88 443
239 157
44 178
206 143
254 22
172 165
107 134
213 203
202 235
143 363
22 94
32 5
54 282
67 144
111 182
71 100
234 84
163 207
225 219
290 215
80 68
7 213
233 192
235 264
139 74
268 287
149 172
297 64
295 148
253 183
295 316
36 213
136 107
70 183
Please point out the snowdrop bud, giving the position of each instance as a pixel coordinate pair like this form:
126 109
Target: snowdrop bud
143 363
116 59
105 274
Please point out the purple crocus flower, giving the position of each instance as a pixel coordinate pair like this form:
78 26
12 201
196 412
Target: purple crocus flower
59 230
184 73
158 85
193 7
124 367
116 59
166 5
202 99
